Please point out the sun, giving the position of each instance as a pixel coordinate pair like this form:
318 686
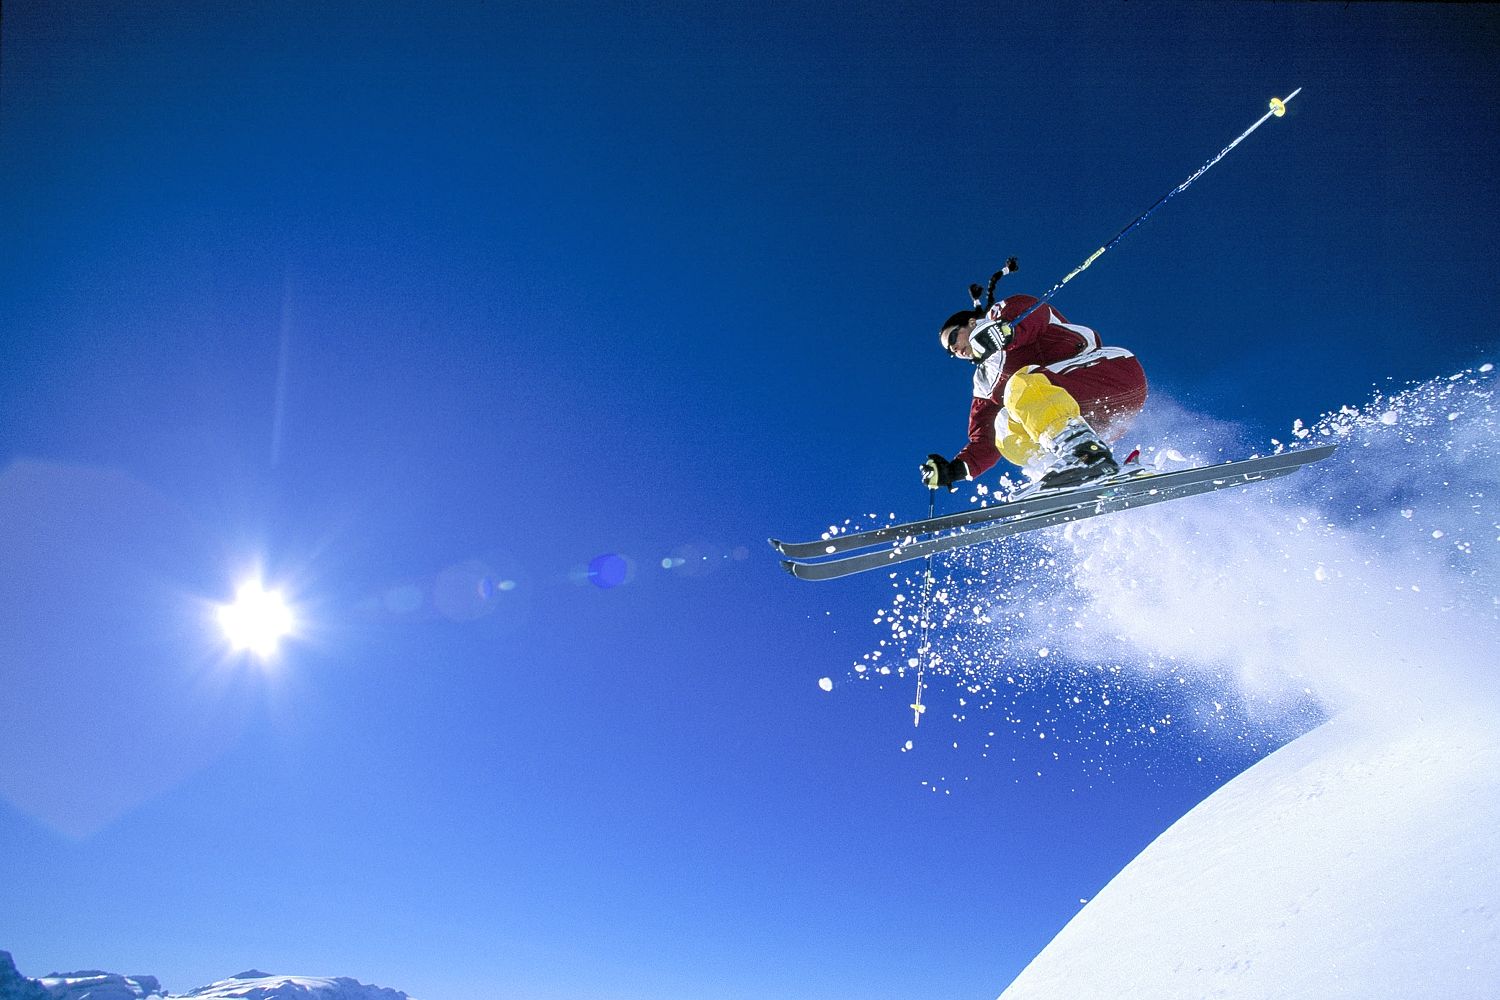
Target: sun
257 620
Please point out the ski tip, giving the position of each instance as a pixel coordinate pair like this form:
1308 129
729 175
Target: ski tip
775 543
1318 452
789 566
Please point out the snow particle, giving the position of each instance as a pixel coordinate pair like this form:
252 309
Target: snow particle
826 683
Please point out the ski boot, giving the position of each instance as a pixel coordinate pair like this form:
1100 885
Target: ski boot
1080 457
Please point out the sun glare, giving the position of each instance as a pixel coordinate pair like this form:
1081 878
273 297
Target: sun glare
257 620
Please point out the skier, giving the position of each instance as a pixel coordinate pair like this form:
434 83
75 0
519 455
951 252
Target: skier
1047 396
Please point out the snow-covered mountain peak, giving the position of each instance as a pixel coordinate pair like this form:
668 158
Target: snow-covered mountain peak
259 986
250 985
91 984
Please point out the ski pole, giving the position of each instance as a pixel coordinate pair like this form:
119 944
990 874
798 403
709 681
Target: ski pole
1278 108
917 708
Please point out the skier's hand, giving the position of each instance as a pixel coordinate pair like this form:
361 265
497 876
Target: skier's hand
989 337
937 471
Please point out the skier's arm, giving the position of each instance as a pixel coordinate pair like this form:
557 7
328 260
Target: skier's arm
1031 327
981 452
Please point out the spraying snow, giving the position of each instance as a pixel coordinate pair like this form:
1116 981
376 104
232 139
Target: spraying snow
1260 612
1366 581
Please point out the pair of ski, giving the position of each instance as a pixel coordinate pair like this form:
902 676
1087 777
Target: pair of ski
898 543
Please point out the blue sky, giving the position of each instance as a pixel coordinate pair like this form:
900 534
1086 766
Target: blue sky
398 303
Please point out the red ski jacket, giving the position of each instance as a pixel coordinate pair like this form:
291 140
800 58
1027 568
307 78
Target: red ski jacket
1107 382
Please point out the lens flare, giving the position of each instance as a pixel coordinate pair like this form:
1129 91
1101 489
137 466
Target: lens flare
609 570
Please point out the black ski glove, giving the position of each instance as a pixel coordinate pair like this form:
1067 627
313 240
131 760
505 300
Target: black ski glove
938 471
988 337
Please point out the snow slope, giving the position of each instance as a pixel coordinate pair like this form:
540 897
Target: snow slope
1358 861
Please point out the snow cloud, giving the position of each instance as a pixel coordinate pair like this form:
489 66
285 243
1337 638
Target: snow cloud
1368 580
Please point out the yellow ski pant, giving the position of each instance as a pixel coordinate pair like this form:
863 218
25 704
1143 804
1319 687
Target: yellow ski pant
1034 407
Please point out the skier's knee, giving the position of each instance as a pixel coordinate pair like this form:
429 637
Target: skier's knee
1016 446
1018 449
1039 406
